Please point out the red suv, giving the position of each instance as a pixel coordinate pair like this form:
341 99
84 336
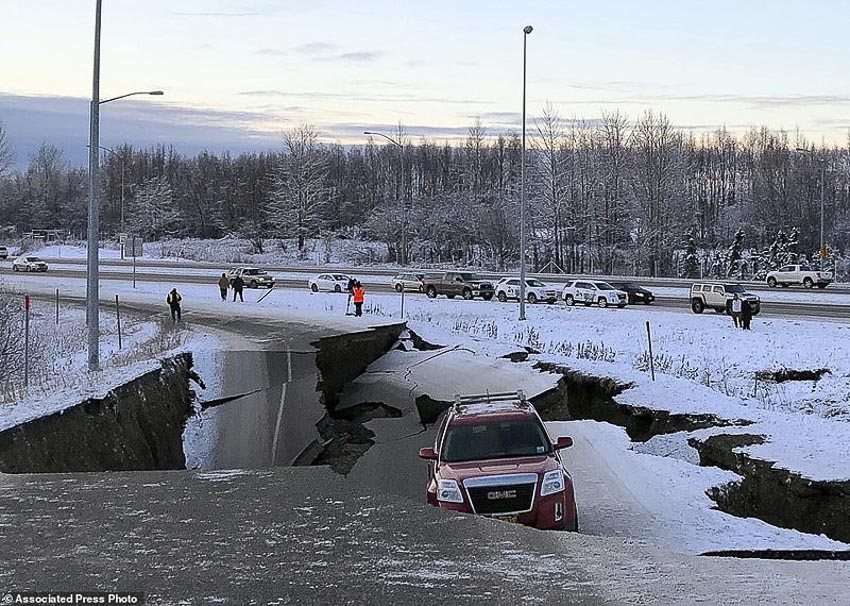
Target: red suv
493 456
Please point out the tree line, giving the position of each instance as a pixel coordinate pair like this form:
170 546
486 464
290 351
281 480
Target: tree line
609 195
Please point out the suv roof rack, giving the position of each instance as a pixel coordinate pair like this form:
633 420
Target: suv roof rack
487 398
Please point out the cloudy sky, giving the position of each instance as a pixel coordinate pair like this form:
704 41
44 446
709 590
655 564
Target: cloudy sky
239 72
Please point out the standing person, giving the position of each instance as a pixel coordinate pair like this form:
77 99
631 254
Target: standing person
223 285
174 299
735 309
358 294
746 314
238 284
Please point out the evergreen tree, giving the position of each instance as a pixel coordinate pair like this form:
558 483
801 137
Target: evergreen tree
690 268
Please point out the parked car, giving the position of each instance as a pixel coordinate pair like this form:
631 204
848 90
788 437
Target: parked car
593 291
492 456
713 295
4 252
535 290
408 282
799 274
28 263
454 283
635 292
331 282
252 276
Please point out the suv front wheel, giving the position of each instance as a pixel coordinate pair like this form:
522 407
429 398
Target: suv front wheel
431 292
697 306
467 294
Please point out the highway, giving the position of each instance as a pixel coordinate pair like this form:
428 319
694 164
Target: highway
832 306
307 271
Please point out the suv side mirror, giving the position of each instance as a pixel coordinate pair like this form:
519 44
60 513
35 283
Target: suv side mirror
430 455
561 443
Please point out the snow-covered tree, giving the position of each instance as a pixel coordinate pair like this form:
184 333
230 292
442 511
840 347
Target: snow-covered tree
690 268
733 255
300 190
153 214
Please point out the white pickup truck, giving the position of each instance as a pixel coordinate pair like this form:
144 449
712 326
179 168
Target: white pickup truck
799 274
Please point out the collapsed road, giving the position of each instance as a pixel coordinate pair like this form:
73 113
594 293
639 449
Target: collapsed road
309 536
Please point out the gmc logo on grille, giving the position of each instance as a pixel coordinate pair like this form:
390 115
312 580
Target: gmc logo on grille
501 494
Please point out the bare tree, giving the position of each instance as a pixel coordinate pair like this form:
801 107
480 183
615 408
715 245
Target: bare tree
551 172
300 189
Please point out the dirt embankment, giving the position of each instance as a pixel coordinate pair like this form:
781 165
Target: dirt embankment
137 426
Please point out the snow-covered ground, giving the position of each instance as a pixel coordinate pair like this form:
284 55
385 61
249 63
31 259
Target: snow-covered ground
59 376
703 364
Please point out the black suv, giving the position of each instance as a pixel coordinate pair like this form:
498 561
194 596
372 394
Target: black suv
636 292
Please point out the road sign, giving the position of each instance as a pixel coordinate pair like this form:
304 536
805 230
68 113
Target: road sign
134 246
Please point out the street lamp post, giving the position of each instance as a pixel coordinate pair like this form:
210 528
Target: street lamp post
822 162
522 244
92 259
403 256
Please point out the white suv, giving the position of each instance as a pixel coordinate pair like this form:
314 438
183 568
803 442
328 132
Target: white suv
29 263
535 290
592 291
717 296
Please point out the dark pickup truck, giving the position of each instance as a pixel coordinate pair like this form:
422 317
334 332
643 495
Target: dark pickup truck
454 283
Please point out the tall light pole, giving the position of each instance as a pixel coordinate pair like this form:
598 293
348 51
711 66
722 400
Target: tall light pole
526 30
92 277
403 259
822 162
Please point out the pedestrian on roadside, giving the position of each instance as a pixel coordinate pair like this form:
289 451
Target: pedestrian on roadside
174 299
746 314
238 284
223 285
358 295
734 308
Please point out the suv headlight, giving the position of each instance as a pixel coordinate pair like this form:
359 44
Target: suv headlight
553 481
449 492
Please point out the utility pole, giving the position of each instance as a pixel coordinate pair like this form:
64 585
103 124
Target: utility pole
92 294
522 244
403 256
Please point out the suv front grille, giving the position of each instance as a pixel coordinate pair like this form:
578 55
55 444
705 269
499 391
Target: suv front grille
497 500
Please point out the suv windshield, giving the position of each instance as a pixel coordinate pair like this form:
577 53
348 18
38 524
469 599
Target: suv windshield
253 272
340 277
473 442
535 283
603 286
734 288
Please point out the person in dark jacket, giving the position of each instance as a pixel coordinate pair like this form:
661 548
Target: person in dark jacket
746 314
174 299
223 285
238 284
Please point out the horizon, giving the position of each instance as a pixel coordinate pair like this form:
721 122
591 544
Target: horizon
311 63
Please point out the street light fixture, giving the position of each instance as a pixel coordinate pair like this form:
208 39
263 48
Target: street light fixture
822 163
526 30
403 259
92 260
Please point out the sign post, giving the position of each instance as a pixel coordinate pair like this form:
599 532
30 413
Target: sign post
27 341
